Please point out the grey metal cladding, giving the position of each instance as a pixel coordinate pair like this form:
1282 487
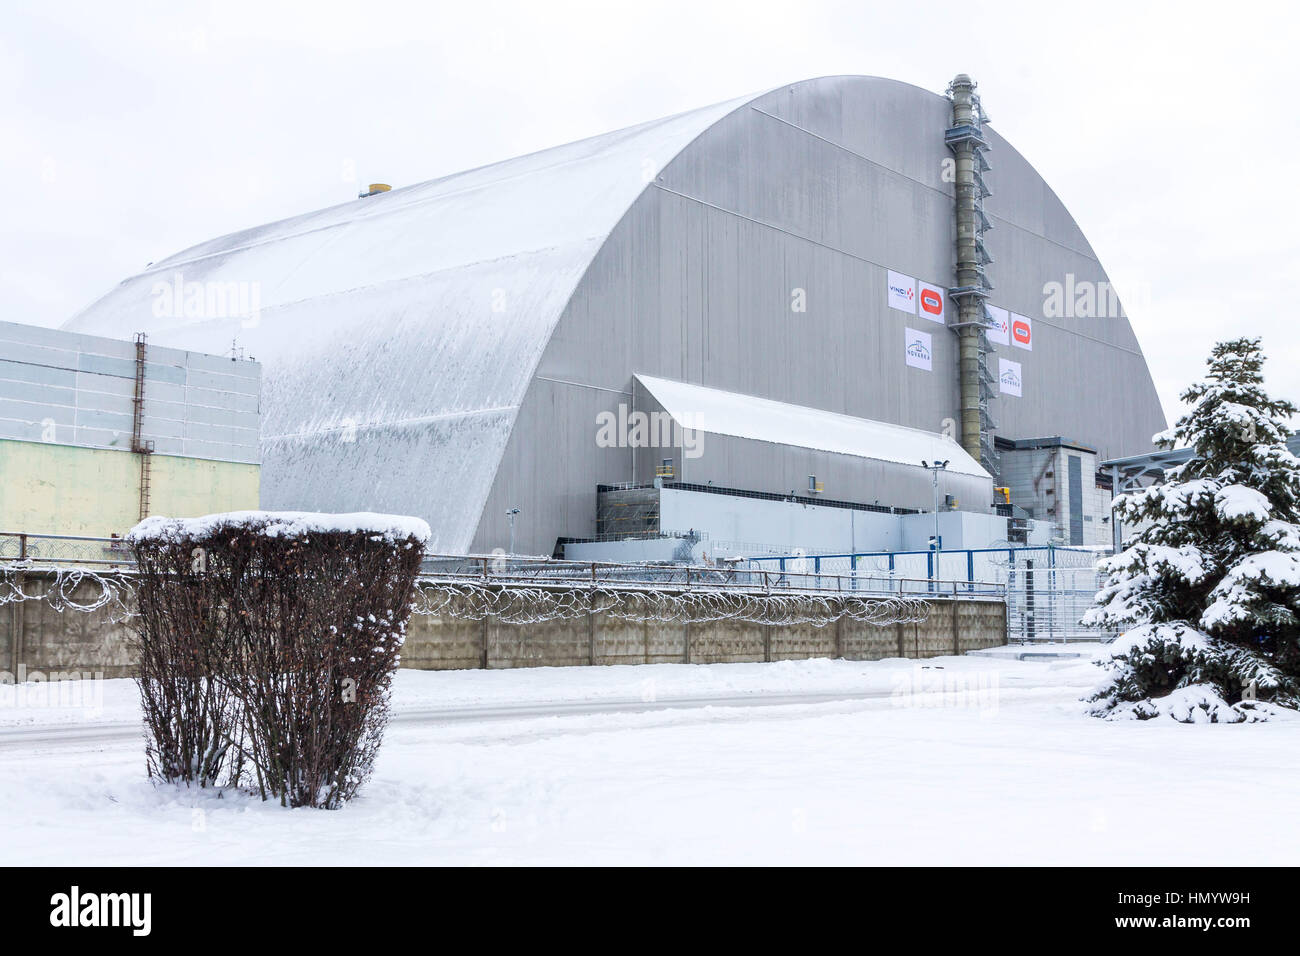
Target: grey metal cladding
105 421
166 392
28 354
106 365
114 386
154 427
25 411
200 415
821 186
36 393
28 431
217 381
98 438
222 365
11 371
223 434
243 401
85 384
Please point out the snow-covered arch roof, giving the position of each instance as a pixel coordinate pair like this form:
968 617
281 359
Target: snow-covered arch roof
410 322
402 334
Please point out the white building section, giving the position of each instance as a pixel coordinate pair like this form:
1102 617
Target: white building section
714 411
711 525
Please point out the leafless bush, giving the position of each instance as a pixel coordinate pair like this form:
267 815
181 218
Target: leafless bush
267 658
185 639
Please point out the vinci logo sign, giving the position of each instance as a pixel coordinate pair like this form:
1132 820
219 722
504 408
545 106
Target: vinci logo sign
998 327
902 292
1009 381
931 299
1022 332
917 349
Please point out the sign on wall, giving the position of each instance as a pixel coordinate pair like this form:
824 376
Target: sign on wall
917 349
999 325
930 299
902 292
1009 382
1022 332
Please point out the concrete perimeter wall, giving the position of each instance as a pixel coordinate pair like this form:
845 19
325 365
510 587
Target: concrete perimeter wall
447 642
35 637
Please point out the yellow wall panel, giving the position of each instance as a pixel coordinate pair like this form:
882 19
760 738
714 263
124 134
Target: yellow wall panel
64 489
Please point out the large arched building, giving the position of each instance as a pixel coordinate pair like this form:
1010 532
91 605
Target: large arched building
765 271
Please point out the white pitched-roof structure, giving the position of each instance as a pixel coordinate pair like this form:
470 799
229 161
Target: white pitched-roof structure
713 411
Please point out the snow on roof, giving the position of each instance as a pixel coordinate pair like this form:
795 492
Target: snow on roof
714 411
282 524
398 333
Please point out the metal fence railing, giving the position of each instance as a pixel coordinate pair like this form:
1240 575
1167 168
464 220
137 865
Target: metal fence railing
1043 603
502 569
969 564
1048 589
35 551
63 550
1048 604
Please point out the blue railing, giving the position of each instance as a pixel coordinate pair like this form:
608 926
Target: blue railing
964 566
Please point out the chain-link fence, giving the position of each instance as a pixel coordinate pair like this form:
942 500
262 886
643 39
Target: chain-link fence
63 550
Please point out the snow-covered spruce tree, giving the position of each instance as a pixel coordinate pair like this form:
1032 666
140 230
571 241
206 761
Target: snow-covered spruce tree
1208 593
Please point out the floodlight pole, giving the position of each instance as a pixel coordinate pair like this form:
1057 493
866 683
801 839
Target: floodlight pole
510 516
934 470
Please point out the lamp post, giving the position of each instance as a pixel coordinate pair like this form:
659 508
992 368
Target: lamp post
510 516
934 470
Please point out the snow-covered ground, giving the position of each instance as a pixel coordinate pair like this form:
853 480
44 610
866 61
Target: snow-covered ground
973 760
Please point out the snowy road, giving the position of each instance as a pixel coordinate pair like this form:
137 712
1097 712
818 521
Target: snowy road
127 733
99 735
958 760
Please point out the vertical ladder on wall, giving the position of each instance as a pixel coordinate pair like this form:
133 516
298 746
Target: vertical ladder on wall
138 445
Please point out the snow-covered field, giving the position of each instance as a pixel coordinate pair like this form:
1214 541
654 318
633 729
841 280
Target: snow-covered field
973 760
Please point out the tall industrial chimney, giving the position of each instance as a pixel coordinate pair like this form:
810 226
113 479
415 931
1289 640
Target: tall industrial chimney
965 137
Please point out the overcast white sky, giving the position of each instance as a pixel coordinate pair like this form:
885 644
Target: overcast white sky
131 130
